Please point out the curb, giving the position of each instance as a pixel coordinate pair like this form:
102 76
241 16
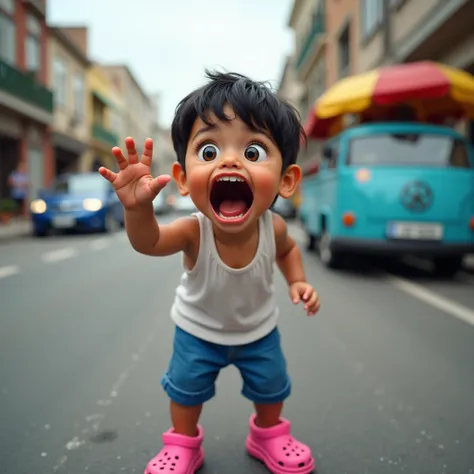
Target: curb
15 231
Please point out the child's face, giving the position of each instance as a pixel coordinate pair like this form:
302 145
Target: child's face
233 174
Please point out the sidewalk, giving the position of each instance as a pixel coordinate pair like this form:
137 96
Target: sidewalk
15 229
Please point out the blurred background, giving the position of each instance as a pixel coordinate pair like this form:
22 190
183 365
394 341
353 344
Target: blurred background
384 377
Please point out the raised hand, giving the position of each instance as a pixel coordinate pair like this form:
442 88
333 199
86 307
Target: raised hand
134 184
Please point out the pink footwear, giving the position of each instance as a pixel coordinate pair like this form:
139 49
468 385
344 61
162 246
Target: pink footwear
275 447
180 455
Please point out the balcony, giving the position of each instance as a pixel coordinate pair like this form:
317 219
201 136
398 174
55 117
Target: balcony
23 86
101 134
317 28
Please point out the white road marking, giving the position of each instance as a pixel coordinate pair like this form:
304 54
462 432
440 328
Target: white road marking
58 255
436 301
99 244
9 270
77 443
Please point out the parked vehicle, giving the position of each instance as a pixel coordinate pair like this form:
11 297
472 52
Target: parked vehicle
84 201
161 204
393 189
285 208
183 204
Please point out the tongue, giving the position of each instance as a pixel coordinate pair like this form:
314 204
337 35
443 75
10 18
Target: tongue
232 208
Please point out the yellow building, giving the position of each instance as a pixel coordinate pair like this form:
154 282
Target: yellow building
68 66
103 112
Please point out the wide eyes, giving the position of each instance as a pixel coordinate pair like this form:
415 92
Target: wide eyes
208 152
254 153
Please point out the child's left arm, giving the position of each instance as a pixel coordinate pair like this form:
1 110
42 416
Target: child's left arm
289 261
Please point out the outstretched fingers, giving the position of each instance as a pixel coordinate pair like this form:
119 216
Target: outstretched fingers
131 151
147 155
119 158
107 174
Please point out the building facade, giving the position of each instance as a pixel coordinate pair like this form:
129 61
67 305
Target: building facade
102 108
26 103
139 110
68 65
334 39
397 31
411 30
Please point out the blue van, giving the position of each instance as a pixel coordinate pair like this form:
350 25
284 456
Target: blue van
392 189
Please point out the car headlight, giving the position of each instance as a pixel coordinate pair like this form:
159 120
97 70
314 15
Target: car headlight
92 204
38 206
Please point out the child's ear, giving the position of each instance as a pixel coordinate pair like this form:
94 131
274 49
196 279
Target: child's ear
289 181
180 178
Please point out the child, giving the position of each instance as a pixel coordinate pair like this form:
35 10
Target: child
236 145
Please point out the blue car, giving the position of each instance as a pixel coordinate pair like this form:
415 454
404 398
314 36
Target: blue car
82 202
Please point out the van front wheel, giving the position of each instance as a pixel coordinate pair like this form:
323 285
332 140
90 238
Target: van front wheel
329 258
447 267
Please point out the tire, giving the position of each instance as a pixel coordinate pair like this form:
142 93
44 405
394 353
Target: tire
447 267
40 233
329 258
311 243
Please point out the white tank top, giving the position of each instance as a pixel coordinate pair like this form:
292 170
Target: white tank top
225 305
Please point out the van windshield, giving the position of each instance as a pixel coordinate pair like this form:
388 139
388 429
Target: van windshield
408 150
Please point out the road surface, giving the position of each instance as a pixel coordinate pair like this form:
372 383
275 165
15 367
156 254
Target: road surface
383 376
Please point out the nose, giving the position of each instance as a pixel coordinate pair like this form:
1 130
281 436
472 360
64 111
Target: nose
230 160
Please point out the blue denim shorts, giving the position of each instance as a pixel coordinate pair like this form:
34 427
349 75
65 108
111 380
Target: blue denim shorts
195 365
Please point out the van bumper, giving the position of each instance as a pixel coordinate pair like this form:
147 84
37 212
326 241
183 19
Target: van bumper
399 248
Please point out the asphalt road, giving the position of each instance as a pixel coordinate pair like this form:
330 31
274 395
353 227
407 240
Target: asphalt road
383 376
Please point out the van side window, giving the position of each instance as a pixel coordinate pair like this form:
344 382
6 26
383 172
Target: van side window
332 161
459 158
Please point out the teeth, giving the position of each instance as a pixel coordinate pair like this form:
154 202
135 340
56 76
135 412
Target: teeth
231 218
232 179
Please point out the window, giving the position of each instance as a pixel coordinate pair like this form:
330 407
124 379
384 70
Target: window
59 82
33 44
78 91
344 52
372 15
409 150
7 31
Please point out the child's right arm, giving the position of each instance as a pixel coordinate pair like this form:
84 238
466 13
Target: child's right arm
150 238
136 189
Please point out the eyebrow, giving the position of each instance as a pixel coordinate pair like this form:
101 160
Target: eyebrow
207 128
203 130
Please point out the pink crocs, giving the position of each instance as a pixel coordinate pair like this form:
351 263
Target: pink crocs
275 447
180 455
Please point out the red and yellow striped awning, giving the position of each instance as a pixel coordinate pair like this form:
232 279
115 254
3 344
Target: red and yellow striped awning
434 91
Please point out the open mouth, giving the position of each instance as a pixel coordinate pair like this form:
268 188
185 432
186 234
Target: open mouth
231 197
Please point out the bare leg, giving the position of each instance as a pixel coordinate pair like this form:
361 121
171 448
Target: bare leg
268 414
185 419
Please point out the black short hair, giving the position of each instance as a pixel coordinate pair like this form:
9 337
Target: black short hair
253 102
